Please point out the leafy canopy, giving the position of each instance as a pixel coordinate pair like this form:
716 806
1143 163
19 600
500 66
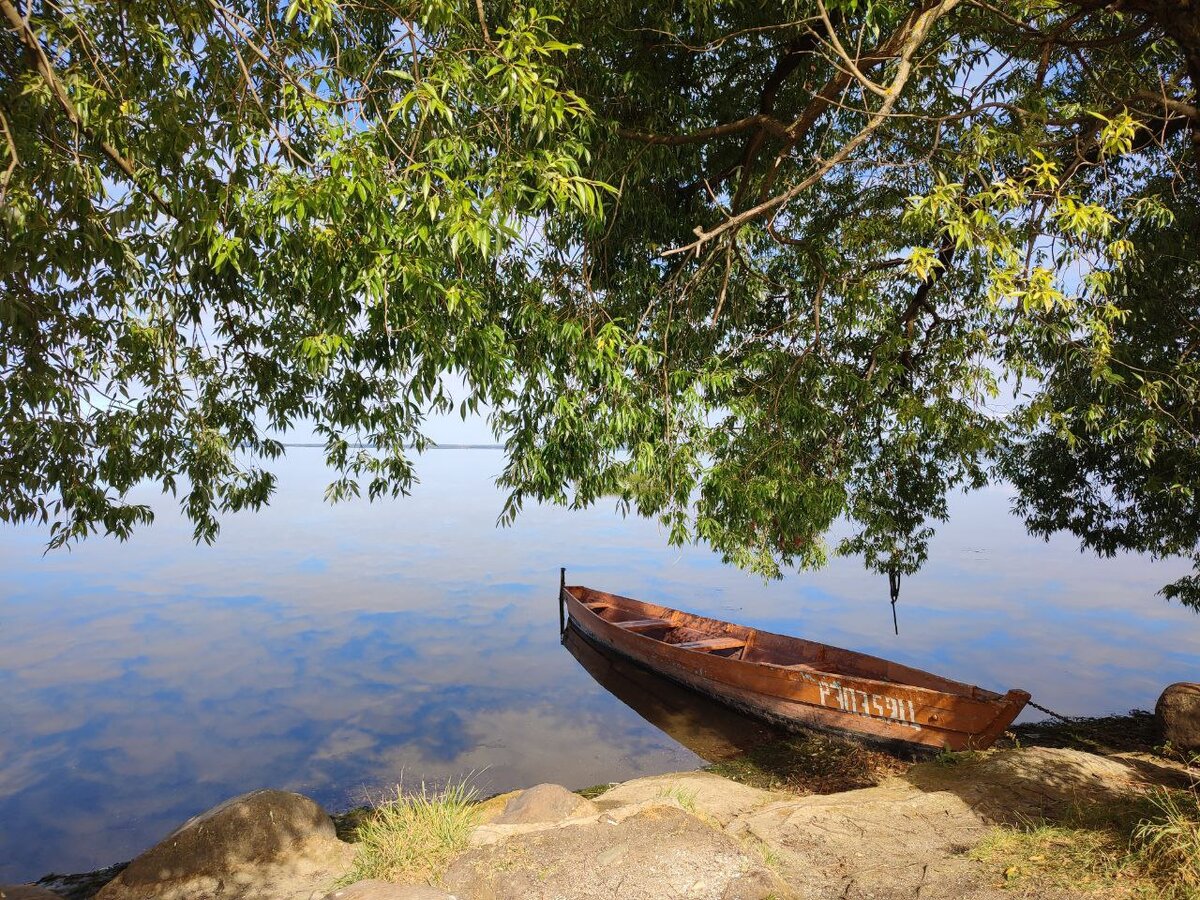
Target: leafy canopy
747 267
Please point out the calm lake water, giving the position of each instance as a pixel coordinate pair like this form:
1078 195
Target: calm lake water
339 650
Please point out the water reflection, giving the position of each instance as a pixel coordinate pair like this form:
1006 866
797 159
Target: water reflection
336 650
712 731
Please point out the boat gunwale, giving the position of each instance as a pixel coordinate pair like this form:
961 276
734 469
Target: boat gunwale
992 699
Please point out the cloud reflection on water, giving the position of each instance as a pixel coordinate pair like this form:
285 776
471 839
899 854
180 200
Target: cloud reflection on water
335 650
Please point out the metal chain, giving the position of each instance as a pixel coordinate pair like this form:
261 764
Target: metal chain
1051 712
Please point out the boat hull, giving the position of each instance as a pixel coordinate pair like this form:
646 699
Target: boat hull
899 716
712 730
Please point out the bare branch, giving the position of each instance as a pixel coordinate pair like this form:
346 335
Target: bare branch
1178 107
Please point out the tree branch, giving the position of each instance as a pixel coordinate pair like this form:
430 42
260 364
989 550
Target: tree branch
850 62
760 121
43 67
912 41
827 96
487 35
1179 107
788 63
14 159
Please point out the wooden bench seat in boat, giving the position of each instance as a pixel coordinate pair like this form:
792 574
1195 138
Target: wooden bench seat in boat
643 624
712 644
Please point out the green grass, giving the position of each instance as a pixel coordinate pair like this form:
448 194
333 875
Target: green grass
1190 758
810 764
1060 856
1137 732
685 798
1146 847
770 857
596 790
951 758
1168 843
413 837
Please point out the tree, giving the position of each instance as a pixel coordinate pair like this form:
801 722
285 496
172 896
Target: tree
221 219
747 267
852 232
1114 457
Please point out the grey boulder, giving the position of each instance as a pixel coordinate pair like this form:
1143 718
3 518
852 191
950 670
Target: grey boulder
1178 713
261 844
642 852
545 803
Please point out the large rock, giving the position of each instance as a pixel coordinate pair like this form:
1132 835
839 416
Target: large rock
26 892
373 889
262 845
908 836
887 842
642 852
701 792
1014 786
545 803
1178 712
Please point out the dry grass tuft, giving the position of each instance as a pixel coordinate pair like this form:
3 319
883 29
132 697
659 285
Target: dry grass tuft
1058 856
1147 847
413 837
1168 844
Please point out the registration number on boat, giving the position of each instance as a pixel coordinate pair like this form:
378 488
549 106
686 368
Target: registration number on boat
879 706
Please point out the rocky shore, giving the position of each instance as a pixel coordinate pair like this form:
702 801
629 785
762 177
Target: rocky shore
935 829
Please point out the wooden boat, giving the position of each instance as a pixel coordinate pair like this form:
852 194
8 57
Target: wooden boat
712 730
792 682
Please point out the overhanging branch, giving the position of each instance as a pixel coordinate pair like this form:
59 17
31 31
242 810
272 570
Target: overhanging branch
765 122
911 42
43 67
